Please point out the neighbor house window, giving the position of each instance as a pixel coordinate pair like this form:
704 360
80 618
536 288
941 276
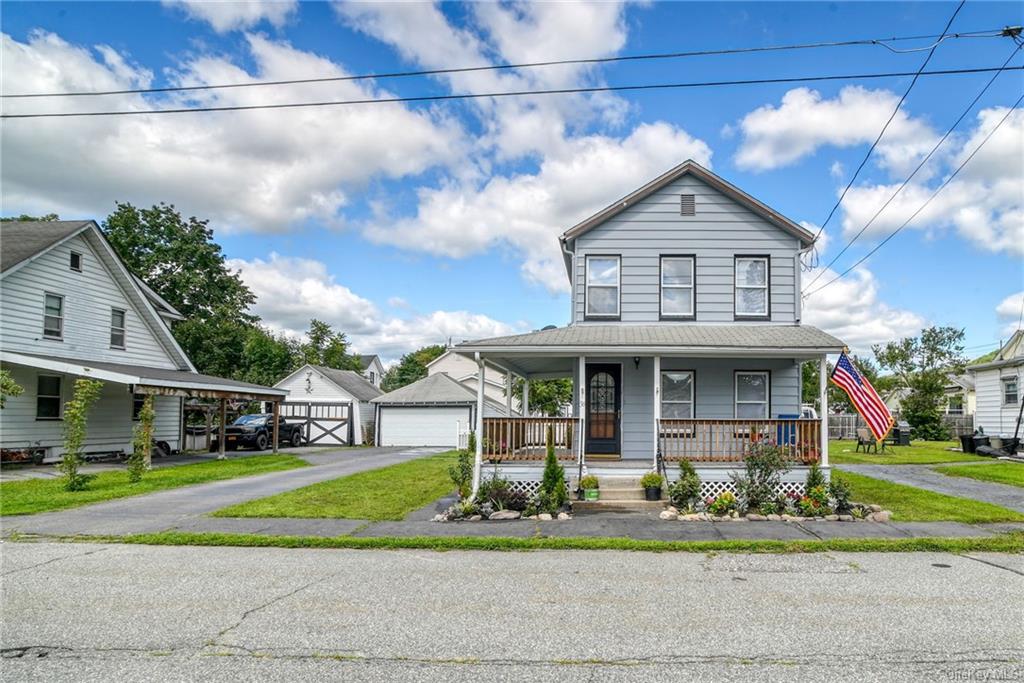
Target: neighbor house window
137 401
751 286
1010 395
752 395
53 316
373 377
117 328
603 286
677 395
677 299
48 403
76 261
955 405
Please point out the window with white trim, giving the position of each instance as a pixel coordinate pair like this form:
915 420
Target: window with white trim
1010 392
752 395
117 328
53 316
48 397
603 283
677 276
751 286
75 262
677 395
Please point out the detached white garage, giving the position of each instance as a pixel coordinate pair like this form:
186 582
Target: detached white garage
431 412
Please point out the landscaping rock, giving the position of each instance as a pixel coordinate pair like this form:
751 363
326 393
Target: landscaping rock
845 518
882 516
532 517
564 515
774 518
439 518
875 508
754 517
544 517
717 518
668 514
476 518
670 508
507 514
788 518
831 518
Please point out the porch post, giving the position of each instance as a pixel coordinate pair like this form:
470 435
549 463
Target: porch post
478 455
277 416
508 393
823 401
581 399
657 406
524 407
223 419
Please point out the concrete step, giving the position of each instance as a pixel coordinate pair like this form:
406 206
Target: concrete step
618 506
622 494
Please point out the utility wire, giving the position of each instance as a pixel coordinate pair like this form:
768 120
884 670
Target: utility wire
892 116
518 93
992 33
927 201
924 161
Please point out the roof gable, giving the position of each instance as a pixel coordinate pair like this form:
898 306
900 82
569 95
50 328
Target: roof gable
21 241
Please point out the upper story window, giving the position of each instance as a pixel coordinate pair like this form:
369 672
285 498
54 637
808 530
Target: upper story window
75 262
677 286
373 377
117 328
48 397
677 395
603 285
53 316
752 278
1010 392
752 395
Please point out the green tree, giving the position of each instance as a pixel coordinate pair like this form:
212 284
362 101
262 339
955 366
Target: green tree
411 367
324 346
922 364
547 396
267 358
838 401
8 387
215 344
25 217
76 417
552 495
141 459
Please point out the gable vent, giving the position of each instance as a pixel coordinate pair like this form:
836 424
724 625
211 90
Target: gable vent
687 205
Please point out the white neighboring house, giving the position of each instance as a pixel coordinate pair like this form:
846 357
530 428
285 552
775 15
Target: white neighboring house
335 403
434 411
373 369
463 370
71 309
997 385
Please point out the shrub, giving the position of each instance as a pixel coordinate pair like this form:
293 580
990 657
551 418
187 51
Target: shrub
764 465
461 472
815 502
499 494
724 504
140 460
589 482
76 413
815 477
552 495
686 490
840 493
651 480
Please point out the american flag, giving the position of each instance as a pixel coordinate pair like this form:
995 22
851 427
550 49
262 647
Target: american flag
863 396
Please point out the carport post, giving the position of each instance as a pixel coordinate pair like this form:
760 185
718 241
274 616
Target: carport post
223 421
823 400
478 455
277 427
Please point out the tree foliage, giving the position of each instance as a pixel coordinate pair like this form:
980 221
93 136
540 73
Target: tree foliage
838 401
141 459
547 396
8 387
324 346
25 218
411 367
922 364
76 415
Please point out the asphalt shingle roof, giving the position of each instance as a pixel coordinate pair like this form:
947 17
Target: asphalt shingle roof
366 360
20 240
350 381
436 389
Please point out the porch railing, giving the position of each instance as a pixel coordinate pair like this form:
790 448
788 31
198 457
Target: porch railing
729 440
525 438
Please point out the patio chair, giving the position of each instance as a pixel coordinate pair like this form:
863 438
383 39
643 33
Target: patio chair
865 440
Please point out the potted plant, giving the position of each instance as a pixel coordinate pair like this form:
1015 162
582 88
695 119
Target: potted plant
591 487
651 484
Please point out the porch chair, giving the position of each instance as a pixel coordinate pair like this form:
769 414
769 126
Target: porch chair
865 439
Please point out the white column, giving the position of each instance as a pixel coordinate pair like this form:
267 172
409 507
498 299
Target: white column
508 393
478 456
823 401
581 405
222 445
524 407
657 405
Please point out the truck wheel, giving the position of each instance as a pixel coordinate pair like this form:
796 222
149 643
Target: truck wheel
296 438
261 442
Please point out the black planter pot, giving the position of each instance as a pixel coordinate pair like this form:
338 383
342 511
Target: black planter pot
652 493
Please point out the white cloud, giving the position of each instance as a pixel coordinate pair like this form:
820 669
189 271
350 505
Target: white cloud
257 170
984 204
1009 313
230 15
291 291
777 136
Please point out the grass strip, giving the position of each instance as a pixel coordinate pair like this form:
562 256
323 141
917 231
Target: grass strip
1011 473
388 493
1003 543
910 504
32 496
918 453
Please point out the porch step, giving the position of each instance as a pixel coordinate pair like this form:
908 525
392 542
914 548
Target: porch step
604 505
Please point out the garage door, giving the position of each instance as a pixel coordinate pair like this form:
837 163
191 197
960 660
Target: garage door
421 426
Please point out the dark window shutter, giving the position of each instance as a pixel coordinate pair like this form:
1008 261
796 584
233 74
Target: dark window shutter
687 205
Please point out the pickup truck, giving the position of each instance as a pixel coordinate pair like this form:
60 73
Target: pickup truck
255 431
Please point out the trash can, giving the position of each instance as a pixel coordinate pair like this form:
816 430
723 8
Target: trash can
980 440
967 443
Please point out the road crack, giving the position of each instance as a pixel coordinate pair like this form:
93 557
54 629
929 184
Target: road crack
54 559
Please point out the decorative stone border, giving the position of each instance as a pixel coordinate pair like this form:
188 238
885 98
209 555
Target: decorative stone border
871 513
501 516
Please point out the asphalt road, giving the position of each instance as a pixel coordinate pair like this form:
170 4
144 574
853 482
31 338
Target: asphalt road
81 612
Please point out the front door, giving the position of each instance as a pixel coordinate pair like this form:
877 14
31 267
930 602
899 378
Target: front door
604 402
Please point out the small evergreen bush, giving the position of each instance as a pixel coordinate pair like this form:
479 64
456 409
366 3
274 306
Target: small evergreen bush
552 495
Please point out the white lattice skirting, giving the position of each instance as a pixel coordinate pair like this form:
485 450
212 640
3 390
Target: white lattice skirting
712 489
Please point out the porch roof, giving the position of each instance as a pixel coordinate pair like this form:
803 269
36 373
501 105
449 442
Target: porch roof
149 380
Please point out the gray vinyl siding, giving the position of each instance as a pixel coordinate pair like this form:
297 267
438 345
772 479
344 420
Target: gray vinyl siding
720 229
89 297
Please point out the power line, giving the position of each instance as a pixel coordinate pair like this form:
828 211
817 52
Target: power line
927 201
518 93
892 116
991 33
924 161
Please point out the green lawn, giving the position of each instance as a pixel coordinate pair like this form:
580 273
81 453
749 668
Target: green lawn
1011 473
918 453
910 504
388 493
27 497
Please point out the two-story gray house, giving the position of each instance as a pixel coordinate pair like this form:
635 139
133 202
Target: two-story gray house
684 339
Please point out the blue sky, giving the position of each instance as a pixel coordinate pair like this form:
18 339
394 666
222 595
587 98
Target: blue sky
407 225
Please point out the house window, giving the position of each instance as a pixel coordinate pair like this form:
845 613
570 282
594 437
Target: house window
48 403
137 401
75 262
752 395
117 328
603 286
752 287
677 286
1010 395
53 317
373 377
677 395
955 405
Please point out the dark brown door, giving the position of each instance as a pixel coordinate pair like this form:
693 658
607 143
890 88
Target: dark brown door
604 401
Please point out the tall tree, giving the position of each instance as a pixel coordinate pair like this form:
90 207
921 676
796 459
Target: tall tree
411 367
267 358
25 217
324 346
922 364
